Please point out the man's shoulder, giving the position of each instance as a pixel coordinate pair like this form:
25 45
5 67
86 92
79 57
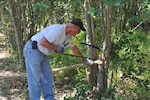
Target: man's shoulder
57 25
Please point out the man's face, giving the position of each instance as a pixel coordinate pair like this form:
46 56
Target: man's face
76 29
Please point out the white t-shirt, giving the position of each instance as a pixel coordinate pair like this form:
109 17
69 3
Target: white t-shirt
54 34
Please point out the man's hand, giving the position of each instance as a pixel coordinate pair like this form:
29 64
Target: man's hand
87 61
60 49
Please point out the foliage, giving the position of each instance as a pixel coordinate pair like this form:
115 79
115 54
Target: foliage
81 93
39 6
84 92
129 57
95 11
130 67
115 3
129 60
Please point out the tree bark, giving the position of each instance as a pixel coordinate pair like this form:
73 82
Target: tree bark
106 29
16 18
90 38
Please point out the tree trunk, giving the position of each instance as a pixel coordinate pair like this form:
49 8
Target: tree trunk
106 29
90 37
16 18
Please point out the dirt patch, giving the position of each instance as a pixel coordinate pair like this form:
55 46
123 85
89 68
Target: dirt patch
14 83
14 87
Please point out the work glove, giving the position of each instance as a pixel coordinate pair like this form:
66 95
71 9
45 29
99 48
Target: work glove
88 62
59 49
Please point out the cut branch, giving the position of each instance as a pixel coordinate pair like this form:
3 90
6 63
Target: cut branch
67 67
54 70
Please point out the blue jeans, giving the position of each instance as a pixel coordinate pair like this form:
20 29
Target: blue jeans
39 73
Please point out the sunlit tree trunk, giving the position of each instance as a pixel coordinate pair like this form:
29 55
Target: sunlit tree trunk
106 29
90 37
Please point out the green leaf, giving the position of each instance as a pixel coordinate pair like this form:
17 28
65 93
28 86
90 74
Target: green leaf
91 10
135 19
94 11
39 6
99 11
115 3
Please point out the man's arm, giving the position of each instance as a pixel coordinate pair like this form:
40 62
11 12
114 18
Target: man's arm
45 43
84 60
77 52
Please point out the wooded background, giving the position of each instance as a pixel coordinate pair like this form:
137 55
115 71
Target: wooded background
120 28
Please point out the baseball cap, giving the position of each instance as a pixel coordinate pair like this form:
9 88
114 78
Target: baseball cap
78 22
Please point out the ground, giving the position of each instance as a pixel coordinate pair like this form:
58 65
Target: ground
14 83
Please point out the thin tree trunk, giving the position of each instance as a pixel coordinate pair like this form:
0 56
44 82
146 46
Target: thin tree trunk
106 29
90 37
17 27
107 48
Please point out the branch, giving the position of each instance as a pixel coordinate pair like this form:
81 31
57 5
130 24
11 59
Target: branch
140 24
67 67
12 76
54 70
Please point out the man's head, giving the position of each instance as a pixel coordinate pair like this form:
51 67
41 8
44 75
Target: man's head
78 22
74 27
